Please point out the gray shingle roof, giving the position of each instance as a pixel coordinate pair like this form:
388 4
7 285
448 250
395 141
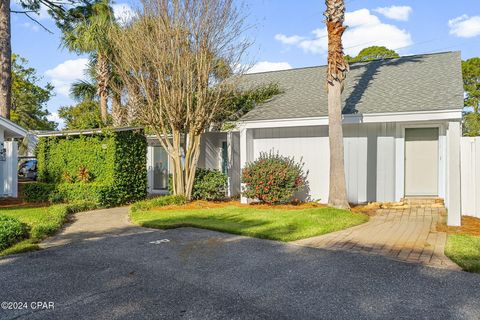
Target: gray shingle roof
413 83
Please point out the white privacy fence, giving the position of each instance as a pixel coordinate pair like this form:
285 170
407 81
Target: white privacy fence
470 168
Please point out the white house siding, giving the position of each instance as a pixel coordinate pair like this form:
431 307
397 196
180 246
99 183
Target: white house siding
374 157
211 150
470 176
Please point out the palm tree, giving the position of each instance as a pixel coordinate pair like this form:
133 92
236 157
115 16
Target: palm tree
5 60
89 34
336 73
82 90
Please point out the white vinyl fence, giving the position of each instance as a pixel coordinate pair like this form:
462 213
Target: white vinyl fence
470 168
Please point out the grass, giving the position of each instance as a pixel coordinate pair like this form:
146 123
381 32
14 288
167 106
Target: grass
268 223
41 221
464 250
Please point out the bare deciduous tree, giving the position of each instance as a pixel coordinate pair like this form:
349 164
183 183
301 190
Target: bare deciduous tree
336 73
169 58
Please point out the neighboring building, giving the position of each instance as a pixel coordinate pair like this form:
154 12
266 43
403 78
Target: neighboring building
9 157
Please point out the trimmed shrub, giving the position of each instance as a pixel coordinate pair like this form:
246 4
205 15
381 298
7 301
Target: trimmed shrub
158 202
208 185
11 231
273 178
108 168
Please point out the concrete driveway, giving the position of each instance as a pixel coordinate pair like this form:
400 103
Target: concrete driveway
136 273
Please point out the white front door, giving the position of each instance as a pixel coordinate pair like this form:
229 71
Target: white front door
421 162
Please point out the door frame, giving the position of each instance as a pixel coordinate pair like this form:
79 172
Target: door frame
400 156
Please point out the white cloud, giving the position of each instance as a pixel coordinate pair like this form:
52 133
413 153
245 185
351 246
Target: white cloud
364 30
123 12
65 73
288 40
465 26
264 66
401 13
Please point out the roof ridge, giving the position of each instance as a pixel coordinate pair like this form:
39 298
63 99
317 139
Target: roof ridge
354 63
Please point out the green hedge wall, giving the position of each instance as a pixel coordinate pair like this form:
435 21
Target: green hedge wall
114 162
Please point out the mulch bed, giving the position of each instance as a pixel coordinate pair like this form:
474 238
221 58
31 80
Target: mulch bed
201 204
470 225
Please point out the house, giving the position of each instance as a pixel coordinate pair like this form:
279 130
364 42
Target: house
9 156
402 131
402 128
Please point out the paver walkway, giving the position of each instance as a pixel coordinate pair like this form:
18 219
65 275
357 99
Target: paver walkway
402 234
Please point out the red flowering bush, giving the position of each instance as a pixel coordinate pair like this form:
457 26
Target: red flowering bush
273 178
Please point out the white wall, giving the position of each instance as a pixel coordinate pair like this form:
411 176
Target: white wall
10 169
374 157
2 164
470 176
310 145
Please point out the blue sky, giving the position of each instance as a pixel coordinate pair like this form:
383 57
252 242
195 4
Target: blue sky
287 34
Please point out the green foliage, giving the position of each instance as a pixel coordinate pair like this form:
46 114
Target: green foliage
471 124
158 202
373 53
471 82
209 185
273 178
29 99
84 115
245 100
41 222
471 86
87 28
107 168
11 231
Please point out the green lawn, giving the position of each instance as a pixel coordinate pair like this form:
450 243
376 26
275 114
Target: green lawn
464 250
275 224
41 221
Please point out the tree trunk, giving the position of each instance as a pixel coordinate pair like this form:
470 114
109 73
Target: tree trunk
5 60
117 112
337 196
103 77
336 73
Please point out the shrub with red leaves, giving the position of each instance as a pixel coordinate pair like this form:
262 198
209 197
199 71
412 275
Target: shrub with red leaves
273 178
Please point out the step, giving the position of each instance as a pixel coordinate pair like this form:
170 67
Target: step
423 202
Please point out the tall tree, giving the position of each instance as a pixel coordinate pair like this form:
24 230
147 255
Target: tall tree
56 8
373 53
5 60
471 85
84 115
174 49
336 74
88 33
29 98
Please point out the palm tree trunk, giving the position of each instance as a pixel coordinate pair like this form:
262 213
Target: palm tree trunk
336 73
5 60
117 112
103 77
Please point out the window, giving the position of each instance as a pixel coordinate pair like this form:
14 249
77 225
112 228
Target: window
160 169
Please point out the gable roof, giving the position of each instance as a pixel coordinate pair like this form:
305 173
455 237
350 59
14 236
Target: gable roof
428 82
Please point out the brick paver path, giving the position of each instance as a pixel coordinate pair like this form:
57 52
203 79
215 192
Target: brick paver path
403 234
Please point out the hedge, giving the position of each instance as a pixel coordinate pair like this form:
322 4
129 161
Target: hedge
108 168
208 184
11 231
